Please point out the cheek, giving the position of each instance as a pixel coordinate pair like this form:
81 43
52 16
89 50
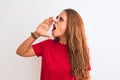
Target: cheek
62 29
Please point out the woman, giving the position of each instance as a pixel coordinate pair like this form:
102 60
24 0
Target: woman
66 56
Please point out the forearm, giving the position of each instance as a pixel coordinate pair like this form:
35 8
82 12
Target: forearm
25 49
25 46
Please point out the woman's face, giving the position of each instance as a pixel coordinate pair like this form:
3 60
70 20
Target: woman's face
60 25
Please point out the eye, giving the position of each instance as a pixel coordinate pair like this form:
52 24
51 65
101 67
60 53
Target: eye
56 17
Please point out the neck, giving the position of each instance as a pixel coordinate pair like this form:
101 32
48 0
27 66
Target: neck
62 40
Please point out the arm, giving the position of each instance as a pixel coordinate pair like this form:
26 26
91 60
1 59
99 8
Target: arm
25 49
88 78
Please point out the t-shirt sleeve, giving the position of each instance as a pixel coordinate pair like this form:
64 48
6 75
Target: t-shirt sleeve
38 49
89 67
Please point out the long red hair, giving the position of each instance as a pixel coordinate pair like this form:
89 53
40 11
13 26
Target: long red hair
76 41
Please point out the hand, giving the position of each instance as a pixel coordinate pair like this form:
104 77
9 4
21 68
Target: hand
44 26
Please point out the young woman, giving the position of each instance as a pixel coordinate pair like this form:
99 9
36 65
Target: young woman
66 57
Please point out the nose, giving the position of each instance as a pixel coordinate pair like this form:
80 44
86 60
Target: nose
55 20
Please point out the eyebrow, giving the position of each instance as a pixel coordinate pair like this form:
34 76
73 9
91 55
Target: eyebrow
61 18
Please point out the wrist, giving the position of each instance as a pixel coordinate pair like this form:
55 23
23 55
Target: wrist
35 35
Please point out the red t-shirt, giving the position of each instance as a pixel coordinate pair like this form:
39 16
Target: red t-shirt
55 60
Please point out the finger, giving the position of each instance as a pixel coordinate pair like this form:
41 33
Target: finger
49 19
50 22
44 21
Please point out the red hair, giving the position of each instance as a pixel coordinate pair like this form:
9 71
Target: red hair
76 41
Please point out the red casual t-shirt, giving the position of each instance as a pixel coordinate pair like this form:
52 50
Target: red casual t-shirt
55 60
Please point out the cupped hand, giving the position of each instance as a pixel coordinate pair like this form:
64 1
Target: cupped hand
44 26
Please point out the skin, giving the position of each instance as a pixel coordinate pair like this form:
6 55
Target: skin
26 50
61 25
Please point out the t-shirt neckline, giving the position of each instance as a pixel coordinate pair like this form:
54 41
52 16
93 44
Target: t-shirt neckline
60 44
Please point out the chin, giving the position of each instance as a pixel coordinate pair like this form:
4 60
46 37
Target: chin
55 36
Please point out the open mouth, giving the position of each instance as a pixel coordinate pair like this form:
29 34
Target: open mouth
54 27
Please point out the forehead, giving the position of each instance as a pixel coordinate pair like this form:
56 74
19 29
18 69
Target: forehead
63 14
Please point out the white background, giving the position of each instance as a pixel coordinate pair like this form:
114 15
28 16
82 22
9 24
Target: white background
20 17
